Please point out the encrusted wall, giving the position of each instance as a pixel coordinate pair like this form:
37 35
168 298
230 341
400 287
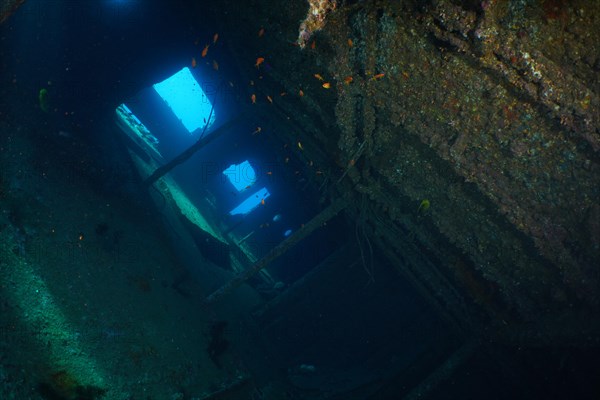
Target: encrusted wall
487 90
488 111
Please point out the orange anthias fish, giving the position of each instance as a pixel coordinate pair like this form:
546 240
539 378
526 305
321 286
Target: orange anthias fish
194 63
326 85
261 32
300 93
378 76
262 202
348 80
215 38
259 61
205 51
350 42
253 98
318 76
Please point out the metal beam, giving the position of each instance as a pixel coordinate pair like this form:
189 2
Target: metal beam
279 250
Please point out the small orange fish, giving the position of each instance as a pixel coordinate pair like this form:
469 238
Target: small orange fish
378 76
348 80
261 32
194 63
215 65
257 130
300 146
351 162
269 173
313 45
326 85
270 99
318 76
205 51
215 38
253 98
259 61
300 93
262 202
350 42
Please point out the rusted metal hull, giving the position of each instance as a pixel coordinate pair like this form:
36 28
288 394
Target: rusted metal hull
491 112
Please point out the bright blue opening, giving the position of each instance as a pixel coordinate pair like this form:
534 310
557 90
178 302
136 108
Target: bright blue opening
251 202
241 176
186 99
